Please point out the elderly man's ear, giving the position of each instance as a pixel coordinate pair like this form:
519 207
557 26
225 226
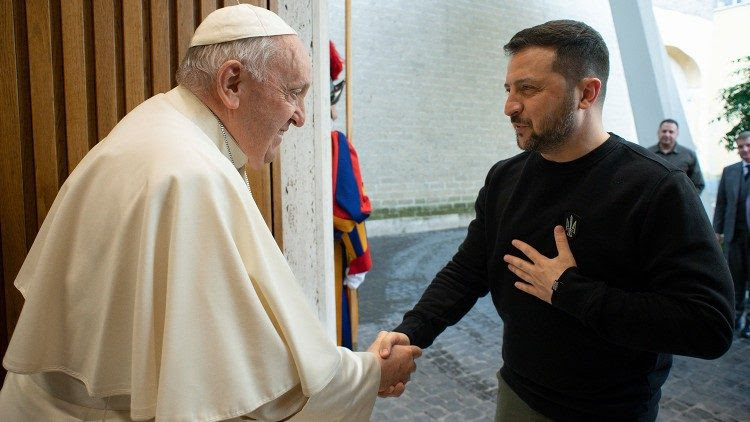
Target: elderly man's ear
228 84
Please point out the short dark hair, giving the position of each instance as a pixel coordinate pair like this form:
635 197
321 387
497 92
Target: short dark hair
581 52
673 121
743 135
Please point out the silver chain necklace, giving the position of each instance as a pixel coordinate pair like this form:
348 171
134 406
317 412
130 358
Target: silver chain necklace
231 158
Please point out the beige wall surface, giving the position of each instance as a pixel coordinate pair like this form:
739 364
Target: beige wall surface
305 189
428 93
730 42
702 50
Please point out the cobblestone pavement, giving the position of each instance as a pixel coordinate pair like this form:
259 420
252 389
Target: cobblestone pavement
455 379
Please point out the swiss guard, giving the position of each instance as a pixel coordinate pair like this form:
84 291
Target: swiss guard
351 207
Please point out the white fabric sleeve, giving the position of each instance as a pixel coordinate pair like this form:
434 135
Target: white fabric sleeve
350 395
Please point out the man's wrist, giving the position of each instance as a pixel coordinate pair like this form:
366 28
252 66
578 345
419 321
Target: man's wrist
556 285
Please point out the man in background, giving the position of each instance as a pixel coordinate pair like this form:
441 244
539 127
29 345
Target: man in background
681 157
732 223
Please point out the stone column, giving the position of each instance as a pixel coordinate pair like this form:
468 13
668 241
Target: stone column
651 86
306 169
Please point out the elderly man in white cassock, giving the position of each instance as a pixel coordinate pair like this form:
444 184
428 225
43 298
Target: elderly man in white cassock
154 289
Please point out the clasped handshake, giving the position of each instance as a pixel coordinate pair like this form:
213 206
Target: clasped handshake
396 357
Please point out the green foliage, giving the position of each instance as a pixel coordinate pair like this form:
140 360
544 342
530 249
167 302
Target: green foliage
737 105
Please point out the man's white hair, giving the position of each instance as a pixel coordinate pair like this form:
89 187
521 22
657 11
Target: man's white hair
198 69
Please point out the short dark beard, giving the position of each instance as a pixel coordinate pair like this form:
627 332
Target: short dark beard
554 129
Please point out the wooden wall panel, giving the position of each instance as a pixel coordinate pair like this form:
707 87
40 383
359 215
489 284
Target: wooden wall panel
260 184
110 99
78 70
275 203
135 38
259 3
186 24
13 174
47 102
71 70
3 328
206 7
161 49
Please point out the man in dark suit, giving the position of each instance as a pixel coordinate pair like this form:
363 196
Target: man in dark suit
732 224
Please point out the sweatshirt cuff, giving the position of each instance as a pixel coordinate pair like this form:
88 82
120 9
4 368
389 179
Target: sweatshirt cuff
412 330
574 293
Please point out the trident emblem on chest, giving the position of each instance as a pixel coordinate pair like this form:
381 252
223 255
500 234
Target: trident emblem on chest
571 225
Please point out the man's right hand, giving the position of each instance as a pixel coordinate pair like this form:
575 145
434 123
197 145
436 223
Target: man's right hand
396 369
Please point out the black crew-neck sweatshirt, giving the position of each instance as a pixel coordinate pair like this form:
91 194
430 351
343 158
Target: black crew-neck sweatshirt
650 281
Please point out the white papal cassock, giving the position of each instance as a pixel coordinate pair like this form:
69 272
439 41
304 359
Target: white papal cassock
154 289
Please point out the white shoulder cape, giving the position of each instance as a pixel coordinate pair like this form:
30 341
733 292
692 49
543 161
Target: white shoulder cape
155 275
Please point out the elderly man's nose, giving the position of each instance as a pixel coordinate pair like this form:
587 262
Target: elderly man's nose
298 118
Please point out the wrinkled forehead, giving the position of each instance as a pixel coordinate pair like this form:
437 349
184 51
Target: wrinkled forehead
293 63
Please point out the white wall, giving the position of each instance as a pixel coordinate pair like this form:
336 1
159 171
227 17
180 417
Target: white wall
710 44
306 170
730 42
428 91
694 91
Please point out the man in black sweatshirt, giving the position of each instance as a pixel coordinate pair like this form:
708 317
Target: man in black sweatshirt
599 257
